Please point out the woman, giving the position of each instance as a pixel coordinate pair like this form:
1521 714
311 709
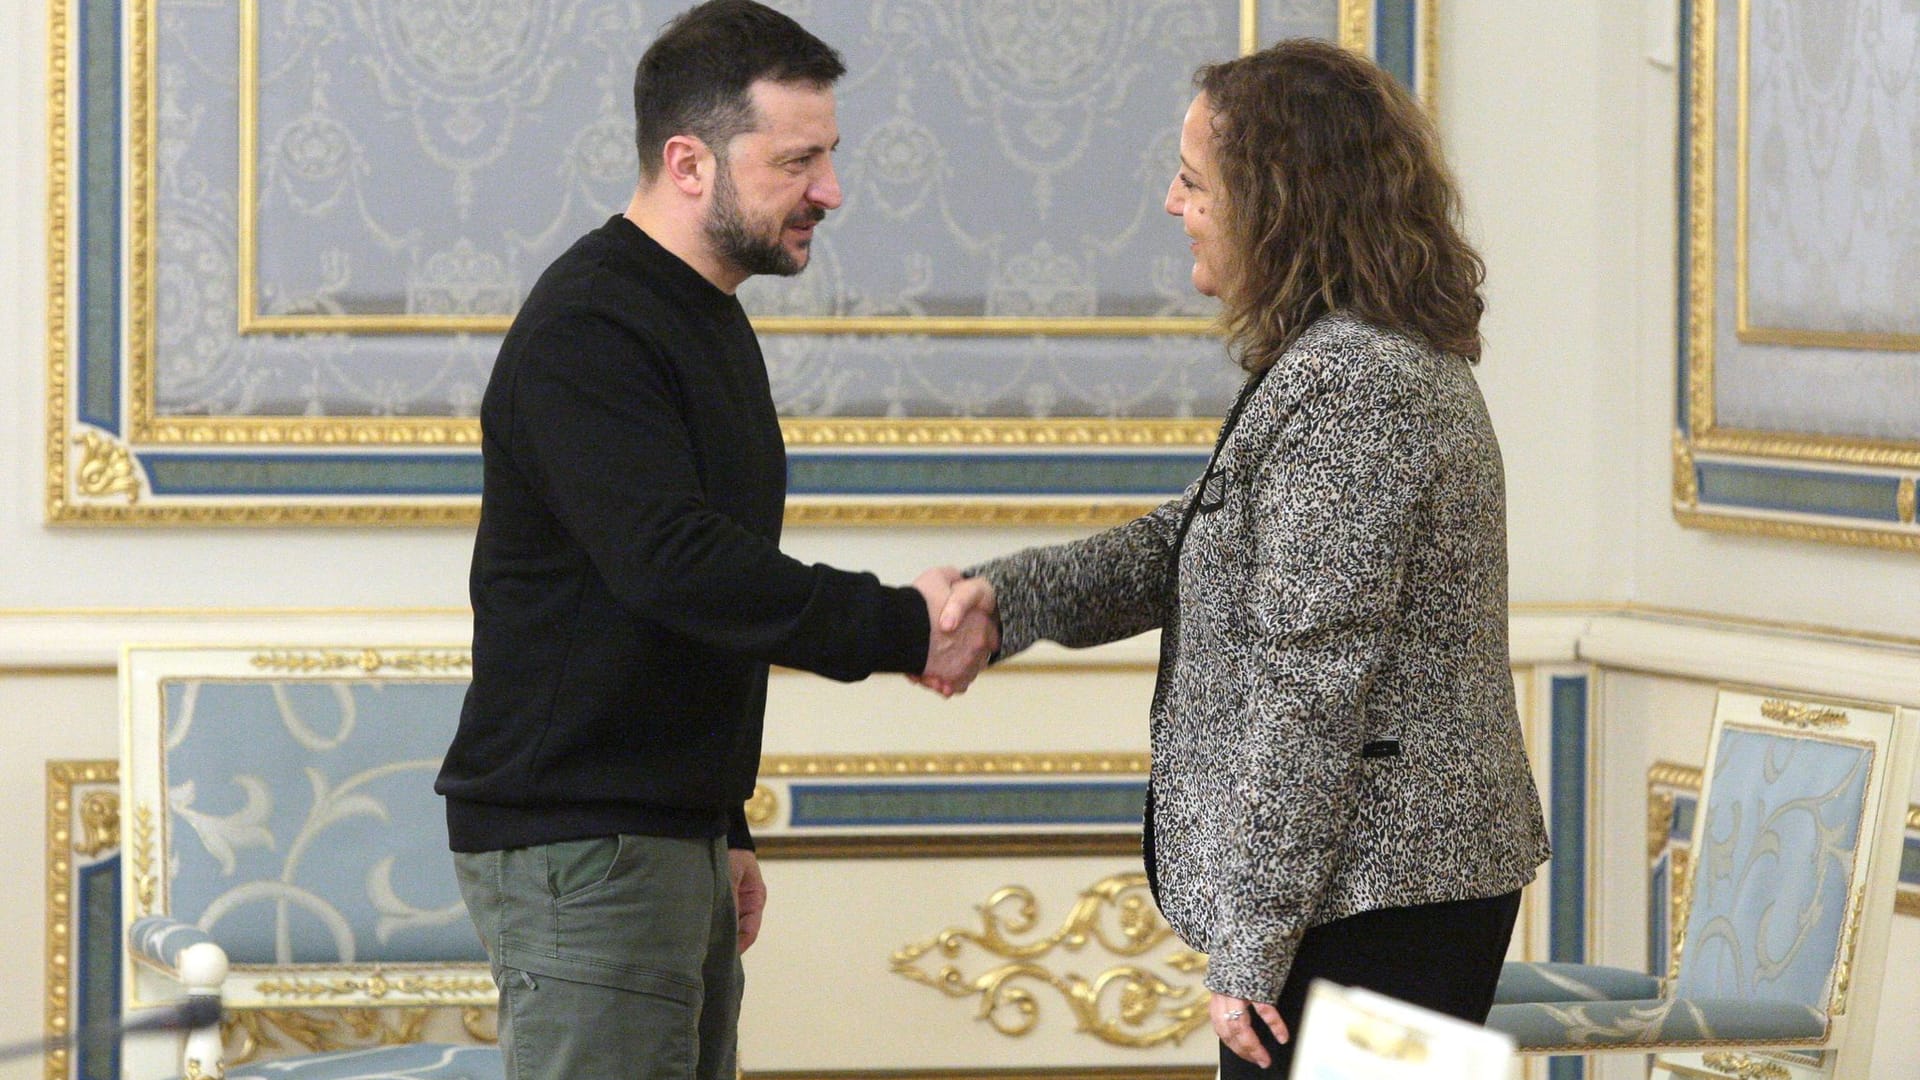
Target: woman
1339 787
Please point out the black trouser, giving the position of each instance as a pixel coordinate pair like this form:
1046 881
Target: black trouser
1445 957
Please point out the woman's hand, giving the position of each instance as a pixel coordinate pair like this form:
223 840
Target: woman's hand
1233 1022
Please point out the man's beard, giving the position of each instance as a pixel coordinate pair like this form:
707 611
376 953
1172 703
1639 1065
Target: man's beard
735 240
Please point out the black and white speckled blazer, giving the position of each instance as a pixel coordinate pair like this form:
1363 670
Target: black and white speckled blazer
1343 582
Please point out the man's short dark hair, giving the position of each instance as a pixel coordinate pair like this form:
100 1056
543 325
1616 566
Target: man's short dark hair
694 78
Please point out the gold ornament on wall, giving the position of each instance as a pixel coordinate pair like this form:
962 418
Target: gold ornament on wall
1659 822
1127 1005
105 468
100 821
1686 481
763 806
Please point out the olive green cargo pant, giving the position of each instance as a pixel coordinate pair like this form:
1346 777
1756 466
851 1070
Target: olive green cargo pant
615 957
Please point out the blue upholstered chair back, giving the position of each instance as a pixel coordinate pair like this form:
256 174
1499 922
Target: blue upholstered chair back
1774 862
284 848
303 827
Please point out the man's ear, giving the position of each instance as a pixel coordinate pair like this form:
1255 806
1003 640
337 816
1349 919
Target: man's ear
688 164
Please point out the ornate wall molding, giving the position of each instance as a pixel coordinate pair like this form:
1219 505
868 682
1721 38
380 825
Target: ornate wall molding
82 819
301 384
1764 445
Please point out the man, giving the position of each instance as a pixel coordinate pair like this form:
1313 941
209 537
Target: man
628 589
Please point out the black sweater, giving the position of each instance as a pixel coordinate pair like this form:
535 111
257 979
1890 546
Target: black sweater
628 588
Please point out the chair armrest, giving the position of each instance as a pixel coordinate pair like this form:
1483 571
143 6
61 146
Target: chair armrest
162 943
1521 983
1600 1026
184 952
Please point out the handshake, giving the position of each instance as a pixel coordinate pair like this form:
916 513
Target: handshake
965 629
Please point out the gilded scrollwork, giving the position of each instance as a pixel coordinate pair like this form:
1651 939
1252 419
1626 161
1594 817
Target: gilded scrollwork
1659 821
1686 480
1801 715
99 823
309 662
481 1024
146 879
433 989
1843 971
106 468
951 764
69 782
1127 1005
1744 1067
763 806
250 1034
997 432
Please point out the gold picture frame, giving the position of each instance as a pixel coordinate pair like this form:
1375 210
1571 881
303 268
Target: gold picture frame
1800 485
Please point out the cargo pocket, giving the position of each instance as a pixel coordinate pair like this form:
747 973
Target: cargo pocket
591 1024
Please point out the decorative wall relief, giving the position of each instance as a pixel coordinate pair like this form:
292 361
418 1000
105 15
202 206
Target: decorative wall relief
1799 388
83 917
1012 978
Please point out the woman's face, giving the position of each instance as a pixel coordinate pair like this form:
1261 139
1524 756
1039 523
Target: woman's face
1194 195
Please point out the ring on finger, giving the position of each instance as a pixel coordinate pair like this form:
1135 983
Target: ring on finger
1233 1014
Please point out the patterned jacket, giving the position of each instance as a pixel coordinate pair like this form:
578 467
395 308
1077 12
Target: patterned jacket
1343 582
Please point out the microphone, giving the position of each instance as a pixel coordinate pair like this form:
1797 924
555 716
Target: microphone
195 1011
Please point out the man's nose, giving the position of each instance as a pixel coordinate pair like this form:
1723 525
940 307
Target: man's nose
825 192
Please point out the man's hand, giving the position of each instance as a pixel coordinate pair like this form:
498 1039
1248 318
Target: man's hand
749 893
969 597
962 638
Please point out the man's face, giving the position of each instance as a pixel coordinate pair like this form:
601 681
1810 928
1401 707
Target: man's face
776 182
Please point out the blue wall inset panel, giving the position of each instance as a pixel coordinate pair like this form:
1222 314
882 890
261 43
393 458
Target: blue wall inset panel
1114 802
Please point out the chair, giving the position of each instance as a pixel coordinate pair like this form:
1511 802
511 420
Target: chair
1785 917
284 849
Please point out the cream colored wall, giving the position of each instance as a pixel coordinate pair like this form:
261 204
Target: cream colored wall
1561 127
1758 577
1525 92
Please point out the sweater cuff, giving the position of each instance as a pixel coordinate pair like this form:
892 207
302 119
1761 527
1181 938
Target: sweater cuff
1252 967
1016 627
739 836
903 631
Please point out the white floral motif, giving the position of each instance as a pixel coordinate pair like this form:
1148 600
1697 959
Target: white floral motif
395 913
305 735
222 836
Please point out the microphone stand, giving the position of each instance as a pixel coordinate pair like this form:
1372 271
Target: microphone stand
197 1011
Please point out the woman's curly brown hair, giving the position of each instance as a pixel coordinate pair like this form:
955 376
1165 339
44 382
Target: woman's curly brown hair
1335 197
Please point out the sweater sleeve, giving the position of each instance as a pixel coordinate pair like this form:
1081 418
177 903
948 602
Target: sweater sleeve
597 428
1109 586
1335 508
739 835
